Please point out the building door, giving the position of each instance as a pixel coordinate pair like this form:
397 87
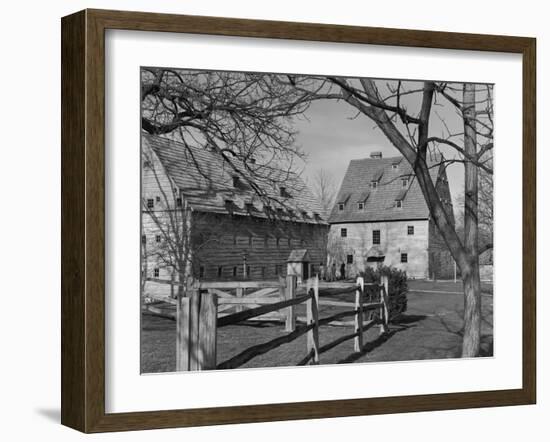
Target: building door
305 271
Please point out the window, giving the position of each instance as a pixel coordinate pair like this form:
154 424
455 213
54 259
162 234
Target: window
340 206
220 271
248 271
201 272
404 182
278 241
156 272
278 269
376 236
179 202
394 166
235 181
360 206
349 259
266 241
374 184
399 204
404 257
263 272
150 203
250 240
410 230
234 271
158 199
234 240
344 233
143 239
158 238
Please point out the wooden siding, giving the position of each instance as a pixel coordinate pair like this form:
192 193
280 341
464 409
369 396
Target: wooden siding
266 245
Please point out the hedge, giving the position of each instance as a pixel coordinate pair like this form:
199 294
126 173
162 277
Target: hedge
397 287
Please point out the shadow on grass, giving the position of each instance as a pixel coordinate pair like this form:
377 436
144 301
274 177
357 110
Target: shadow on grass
404 319
398 325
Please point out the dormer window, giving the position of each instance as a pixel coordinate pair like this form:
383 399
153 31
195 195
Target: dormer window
283 192
229 205
394 166
374 184
399 204
404 182
360 206
236 181
343 200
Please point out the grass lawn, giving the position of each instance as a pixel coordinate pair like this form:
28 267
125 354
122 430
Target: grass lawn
430 329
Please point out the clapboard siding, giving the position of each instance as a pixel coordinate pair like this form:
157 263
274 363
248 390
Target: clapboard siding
246 236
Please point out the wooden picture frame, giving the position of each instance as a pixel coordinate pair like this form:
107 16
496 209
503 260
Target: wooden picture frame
83 220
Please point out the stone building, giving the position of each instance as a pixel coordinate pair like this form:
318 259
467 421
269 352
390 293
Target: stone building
202 219
380 217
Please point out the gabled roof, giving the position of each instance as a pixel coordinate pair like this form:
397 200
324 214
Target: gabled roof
380 201
206 182
298 255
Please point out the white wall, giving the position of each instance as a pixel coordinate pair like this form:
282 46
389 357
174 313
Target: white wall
30 79
394 240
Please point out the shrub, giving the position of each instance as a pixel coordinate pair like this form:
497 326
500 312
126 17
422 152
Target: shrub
397 288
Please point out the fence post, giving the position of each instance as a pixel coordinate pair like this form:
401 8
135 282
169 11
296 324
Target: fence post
194 309
208 316
385 315
312 317
239 294
358 342
290 293
182 333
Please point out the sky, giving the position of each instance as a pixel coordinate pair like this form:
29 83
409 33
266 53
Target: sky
332 134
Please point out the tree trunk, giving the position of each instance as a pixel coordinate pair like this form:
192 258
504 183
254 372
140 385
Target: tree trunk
472 312
472 285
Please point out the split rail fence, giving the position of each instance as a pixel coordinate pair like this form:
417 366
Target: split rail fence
205 310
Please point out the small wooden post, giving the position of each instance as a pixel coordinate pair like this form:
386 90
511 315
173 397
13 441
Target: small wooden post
182 334
194 309
358 342
384 298
312 317
208 316
290 293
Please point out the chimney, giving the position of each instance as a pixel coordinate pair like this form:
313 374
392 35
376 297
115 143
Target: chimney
376 155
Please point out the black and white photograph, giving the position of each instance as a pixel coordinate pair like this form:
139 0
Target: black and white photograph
291 220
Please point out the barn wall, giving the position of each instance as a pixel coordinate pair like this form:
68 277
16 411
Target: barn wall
222 241
394 240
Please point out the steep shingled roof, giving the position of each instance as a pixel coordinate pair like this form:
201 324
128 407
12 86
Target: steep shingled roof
207 183
380 204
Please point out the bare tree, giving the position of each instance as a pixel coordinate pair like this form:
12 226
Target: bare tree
324 189
388 105
246 118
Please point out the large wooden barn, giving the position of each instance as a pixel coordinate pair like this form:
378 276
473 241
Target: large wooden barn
203 219
380 217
